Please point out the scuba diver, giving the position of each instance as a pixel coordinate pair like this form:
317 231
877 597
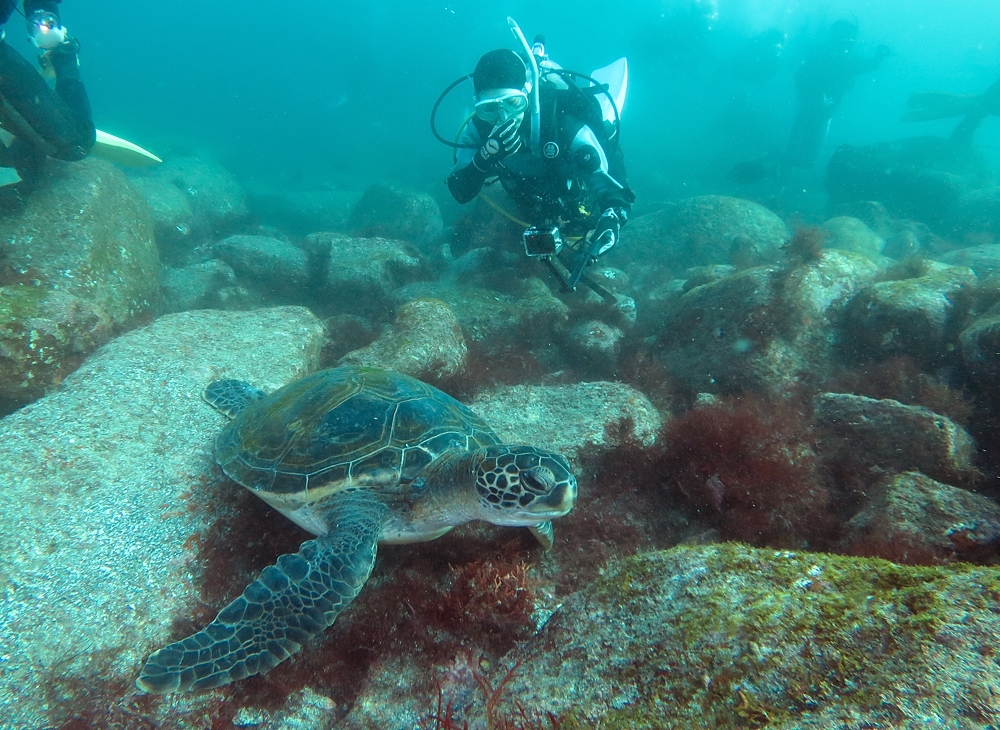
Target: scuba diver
553 146
43 122
973 108
820 84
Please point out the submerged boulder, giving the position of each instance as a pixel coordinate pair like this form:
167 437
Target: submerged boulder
575 420
762 328
920 315
889 436
701 231
211 205
917 177
77 264
910 518
386 211
725 636
109 485
424 341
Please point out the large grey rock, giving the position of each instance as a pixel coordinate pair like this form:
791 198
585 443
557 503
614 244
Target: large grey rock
725 636
575 420
889 436
212 203
196 286
980 343
710 229
424 341
920 316
976 215
499 327
984 260
761 328
386 211
362 273
77 264
275 268
104 484
911 518
918 177
301 212
851 234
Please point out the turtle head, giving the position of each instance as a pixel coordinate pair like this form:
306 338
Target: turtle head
520 486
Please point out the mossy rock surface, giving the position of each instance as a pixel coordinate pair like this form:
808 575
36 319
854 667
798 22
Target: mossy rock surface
77 264
725 636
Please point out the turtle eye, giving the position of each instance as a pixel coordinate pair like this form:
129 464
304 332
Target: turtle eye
537 480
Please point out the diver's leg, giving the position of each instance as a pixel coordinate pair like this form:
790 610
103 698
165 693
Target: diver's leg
809 132
35 113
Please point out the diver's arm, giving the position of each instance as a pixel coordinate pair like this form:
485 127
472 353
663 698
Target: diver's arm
608 182
869 65
466 179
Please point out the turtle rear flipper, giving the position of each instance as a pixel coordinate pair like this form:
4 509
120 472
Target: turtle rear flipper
230 397
291 602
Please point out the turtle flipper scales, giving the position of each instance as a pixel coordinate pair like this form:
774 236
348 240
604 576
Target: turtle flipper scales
291 602
229 397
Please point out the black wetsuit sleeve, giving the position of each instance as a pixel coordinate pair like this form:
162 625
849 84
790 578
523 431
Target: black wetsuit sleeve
614 198
49 6
466 182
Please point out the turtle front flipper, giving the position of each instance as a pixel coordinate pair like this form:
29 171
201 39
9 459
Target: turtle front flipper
544 533
291 602
230 397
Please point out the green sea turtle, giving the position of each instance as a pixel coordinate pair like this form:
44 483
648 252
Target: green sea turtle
355 456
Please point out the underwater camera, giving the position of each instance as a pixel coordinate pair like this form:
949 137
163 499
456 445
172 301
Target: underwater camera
542 242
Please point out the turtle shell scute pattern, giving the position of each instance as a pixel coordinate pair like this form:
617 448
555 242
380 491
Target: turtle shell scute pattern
345 428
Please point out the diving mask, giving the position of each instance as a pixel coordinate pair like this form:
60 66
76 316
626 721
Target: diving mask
45 30
499 105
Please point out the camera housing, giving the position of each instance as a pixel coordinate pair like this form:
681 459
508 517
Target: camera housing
542 242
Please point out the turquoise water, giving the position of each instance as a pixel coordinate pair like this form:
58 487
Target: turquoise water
793 346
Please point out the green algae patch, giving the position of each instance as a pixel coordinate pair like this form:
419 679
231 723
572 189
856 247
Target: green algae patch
726 636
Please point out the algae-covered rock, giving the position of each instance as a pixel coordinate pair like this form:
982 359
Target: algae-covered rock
274 267
424 341
709 229
194 201
980 344
850 234
500 327
910 517
77 264
919 316
761 328
729 637
886 435
196 286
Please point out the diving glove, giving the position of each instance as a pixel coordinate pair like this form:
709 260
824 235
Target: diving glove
605 235
503 141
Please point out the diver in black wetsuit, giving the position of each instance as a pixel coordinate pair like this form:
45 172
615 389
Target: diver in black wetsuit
44 122
820 84
577 183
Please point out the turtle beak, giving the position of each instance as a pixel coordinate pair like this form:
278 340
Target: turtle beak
560 500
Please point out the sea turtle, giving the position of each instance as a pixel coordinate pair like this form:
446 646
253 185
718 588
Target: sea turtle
355 456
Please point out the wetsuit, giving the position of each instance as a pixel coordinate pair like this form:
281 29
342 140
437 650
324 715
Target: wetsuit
820 85
44 122
561 187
